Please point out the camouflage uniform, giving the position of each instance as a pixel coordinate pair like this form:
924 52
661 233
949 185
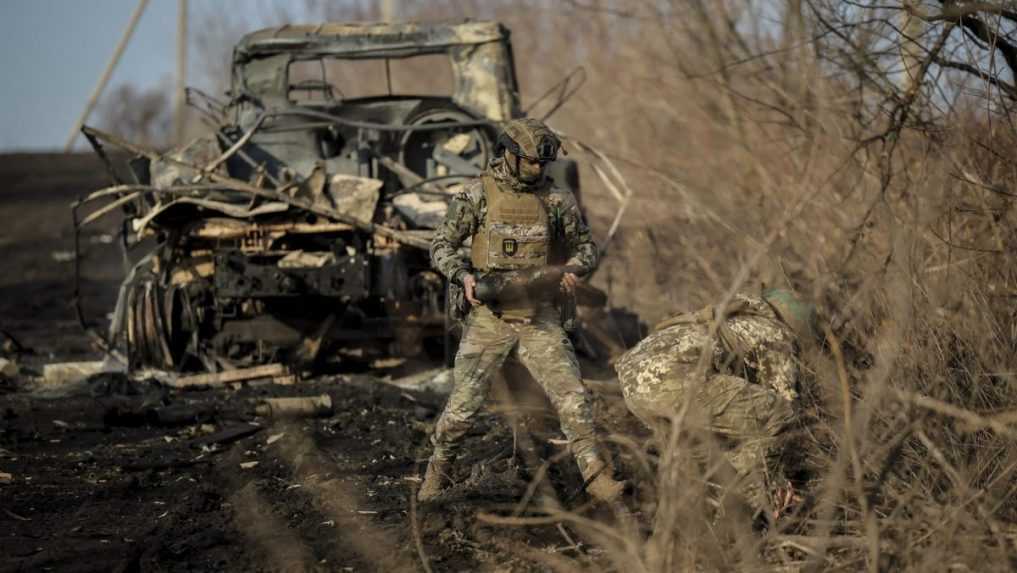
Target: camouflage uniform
535 333
748 393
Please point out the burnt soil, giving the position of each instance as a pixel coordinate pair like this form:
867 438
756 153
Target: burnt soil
98 483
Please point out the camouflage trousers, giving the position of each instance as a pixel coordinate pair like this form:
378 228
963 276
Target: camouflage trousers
542 346
747 419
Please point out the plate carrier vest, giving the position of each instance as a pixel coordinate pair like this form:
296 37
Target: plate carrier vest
515 234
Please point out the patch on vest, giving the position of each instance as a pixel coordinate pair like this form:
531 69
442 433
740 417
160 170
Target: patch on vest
509 247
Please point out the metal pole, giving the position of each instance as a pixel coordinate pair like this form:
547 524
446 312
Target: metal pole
180 103
387 10
104 79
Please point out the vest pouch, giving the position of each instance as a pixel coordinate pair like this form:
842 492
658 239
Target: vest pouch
515 247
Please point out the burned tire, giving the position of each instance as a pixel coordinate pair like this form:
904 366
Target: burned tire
153 325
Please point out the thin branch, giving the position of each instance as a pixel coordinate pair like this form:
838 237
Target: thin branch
953 12
1009 89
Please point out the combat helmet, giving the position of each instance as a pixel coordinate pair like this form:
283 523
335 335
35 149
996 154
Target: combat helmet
800 316
529 139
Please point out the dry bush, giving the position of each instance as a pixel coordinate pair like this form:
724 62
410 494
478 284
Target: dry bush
844 151
847 154
861 153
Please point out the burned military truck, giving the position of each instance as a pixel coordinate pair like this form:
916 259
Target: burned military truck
299 225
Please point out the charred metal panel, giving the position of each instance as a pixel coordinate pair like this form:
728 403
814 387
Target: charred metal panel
367 39
239 276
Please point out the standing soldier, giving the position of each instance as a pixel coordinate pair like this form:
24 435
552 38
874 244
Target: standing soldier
748 394
520 222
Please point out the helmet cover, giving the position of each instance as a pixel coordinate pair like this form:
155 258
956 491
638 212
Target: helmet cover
797 314
529 139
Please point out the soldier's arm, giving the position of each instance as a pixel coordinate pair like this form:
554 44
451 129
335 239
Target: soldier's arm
582 251
460 222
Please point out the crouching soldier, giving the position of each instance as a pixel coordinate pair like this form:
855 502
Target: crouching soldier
519 221
744 390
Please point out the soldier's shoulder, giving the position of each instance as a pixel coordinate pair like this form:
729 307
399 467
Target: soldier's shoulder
469 199
666 339
472 192
761 320
753 303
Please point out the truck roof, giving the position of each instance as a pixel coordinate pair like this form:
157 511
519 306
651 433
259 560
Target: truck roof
367 39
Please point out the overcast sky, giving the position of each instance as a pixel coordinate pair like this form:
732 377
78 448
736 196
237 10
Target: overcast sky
53 51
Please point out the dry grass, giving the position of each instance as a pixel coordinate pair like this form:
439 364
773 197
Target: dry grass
767 172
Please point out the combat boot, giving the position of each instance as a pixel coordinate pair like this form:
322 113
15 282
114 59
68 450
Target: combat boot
436 478
605 488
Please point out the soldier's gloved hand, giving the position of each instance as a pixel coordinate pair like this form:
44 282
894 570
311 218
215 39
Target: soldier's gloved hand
469 284
569 282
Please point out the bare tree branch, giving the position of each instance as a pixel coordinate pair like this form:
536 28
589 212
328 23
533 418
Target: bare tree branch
953 12
1009 89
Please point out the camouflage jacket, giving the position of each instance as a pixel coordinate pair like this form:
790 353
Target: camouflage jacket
752 343
467 210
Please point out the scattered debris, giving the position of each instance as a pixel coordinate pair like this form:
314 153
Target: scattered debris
302 260
220 378
70 372
389 362
422 212
285 380
248 465
312 407
437 380
145 412
117 383
274 438
10 346
160 465
182 414
65 379
203 429
8 368
16 516
6 477
227 435
63 256
101 239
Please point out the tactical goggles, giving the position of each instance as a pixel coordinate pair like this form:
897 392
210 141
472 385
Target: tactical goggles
547 149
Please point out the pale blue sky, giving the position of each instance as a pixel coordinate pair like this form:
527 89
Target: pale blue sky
53 51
